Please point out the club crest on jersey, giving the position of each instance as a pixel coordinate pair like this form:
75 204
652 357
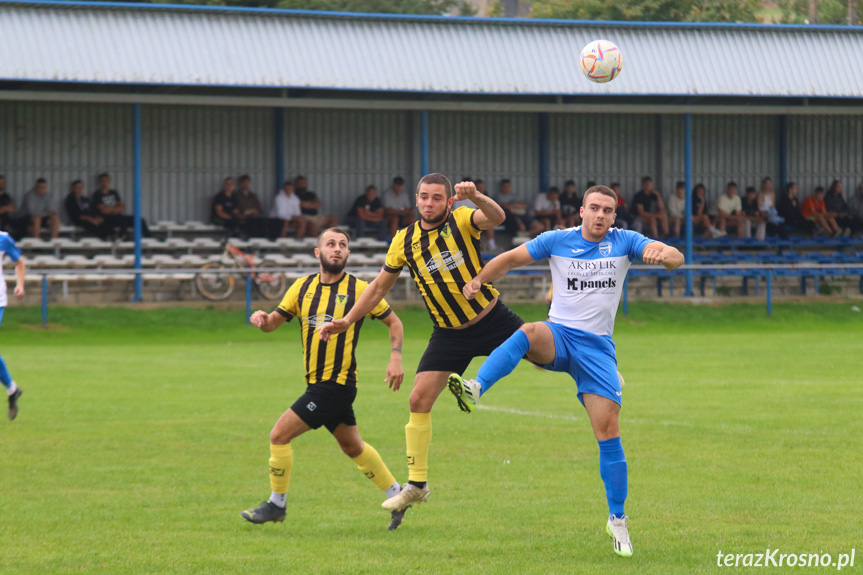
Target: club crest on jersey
341 299
446 232
605 248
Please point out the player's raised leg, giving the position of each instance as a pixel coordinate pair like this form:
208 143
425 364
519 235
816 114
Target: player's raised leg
287 428
534 340
428 385
604 419
371 464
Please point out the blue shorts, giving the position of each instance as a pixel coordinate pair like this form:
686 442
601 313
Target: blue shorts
589 358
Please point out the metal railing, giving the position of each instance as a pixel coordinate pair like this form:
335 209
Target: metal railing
705 271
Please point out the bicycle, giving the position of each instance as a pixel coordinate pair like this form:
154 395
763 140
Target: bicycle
220 286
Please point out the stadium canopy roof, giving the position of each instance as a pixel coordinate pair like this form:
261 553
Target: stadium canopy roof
166 53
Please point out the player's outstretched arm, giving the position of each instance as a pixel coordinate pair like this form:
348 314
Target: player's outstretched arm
497 268
662 254
20 272
267 322
395 372
489 215
371 297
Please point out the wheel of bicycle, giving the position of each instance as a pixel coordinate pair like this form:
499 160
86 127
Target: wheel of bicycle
215 286
271 285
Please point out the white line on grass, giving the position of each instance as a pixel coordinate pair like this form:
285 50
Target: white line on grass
531 413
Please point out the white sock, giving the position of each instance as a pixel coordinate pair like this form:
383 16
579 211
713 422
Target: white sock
12 389
279 499
394 490
492 245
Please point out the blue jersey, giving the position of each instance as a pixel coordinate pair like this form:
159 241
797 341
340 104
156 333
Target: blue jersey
7 247
587 277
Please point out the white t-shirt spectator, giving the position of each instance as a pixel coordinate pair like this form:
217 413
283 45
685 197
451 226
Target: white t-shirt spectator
396 202
543 204
286 207
676 206
729 205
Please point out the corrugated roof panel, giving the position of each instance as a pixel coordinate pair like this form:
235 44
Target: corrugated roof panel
153 45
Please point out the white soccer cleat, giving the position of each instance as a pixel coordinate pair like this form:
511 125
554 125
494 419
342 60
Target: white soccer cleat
616 529
409 495
466 391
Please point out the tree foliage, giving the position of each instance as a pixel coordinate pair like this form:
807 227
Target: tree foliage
376 6
649 10
829 11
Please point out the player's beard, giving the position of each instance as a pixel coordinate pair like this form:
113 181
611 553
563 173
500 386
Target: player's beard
334 268
436 221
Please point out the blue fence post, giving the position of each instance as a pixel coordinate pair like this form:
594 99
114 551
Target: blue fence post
136 168
625 296
687 161
424 142
44 300
248 297
769 293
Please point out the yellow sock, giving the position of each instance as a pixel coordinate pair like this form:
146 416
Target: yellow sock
371 464
281 461
418 433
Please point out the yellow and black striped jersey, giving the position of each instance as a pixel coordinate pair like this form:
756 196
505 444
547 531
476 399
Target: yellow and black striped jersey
315 304
441 261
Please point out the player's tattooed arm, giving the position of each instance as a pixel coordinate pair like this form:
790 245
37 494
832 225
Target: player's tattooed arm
489 215
489 208
395 372
395 344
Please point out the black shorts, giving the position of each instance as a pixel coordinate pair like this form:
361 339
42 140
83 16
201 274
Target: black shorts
328 404
453 349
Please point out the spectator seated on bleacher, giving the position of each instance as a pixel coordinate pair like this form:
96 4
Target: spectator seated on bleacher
514 209
677 208
286 209
570 205
109 205
815 210
398 210
624 218
225 210
837 208
252 222
701 223
546 212
729 211
81 212
38 211
788 207
767 205
368 213
753 216
855 208
7 208
650 209
310 205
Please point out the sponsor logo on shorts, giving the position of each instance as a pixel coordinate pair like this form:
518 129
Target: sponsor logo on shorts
312 406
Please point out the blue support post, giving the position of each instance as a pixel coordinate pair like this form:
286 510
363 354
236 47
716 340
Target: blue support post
136 167
543 153
783 152
625 296
687 161
424 142
279 145
248 298
45 300
769 293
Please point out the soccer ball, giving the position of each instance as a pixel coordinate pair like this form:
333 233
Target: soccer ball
601 61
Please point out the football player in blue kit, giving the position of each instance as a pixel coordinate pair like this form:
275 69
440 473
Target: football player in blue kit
588 266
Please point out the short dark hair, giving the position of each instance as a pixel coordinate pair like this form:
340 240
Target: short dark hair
554 190
478 181
41 181
288 183
370 187
731 185
819 189
225 181
245 178
591 184
751 190
568 183
336 230
398 181
698 187
103 175
505 181
834 184
681 184
72 185
435 178
790 185
300 177
614 185
646 179
604 190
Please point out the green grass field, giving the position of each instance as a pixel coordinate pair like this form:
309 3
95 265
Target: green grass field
143 434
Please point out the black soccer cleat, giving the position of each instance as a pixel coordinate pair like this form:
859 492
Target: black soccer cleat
396 518
13 403
267 512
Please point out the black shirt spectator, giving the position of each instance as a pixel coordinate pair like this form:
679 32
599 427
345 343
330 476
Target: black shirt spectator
570 204
788 207
307 196
7 207
647 201
225 208
107 203
81 212
226 202
364 202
